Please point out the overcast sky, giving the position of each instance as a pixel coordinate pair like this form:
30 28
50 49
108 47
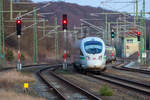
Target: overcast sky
126 7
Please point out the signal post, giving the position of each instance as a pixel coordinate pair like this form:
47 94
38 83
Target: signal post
18 29
64 27
112 41
138 39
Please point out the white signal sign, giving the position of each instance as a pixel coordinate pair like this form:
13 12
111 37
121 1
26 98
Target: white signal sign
144 55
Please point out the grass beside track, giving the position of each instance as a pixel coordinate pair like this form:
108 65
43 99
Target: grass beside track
11 95
12 86
13 77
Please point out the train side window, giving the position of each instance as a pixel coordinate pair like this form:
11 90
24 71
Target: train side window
129 40
81 53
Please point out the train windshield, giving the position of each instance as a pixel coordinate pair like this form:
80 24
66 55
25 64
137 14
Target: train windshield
93 47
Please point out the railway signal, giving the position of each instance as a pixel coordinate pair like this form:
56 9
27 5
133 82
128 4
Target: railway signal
18 29
64 22
112 34
138 35
64 27
18 26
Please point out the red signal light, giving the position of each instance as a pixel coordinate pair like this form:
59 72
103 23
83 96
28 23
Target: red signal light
18 21
18 26
64 21
138 33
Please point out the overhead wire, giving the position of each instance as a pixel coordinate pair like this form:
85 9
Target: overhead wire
118 9
25 15
127 5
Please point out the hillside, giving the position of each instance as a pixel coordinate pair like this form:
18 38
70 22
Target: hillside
75 12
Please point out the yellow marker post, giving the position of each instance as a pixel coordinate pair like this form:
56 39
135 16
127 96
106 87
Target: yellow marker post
26 85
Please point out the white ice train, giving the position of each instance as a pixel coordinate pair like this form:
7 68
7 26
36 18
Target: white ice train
89 54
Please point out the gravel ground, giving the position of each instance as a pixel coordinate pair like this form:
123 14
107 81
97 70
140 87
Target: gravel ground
15 87
94 86
44 91
39 87
67 90
139 77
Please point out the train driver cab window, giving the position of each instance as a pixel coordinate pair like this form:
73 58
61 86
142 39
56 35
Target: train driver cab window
93 47
81 53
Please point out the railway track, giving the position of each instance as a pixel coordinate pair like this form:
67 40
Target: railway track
143 71
121 66
25 66
8 68
65 89
136 86
31 65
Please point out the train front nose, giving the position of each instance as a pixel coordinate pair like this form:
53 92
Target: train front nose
96 63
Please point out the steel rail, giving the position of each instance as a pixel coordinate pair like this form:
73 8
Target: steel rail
77 87
143 71
39 73
142 88
24 66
